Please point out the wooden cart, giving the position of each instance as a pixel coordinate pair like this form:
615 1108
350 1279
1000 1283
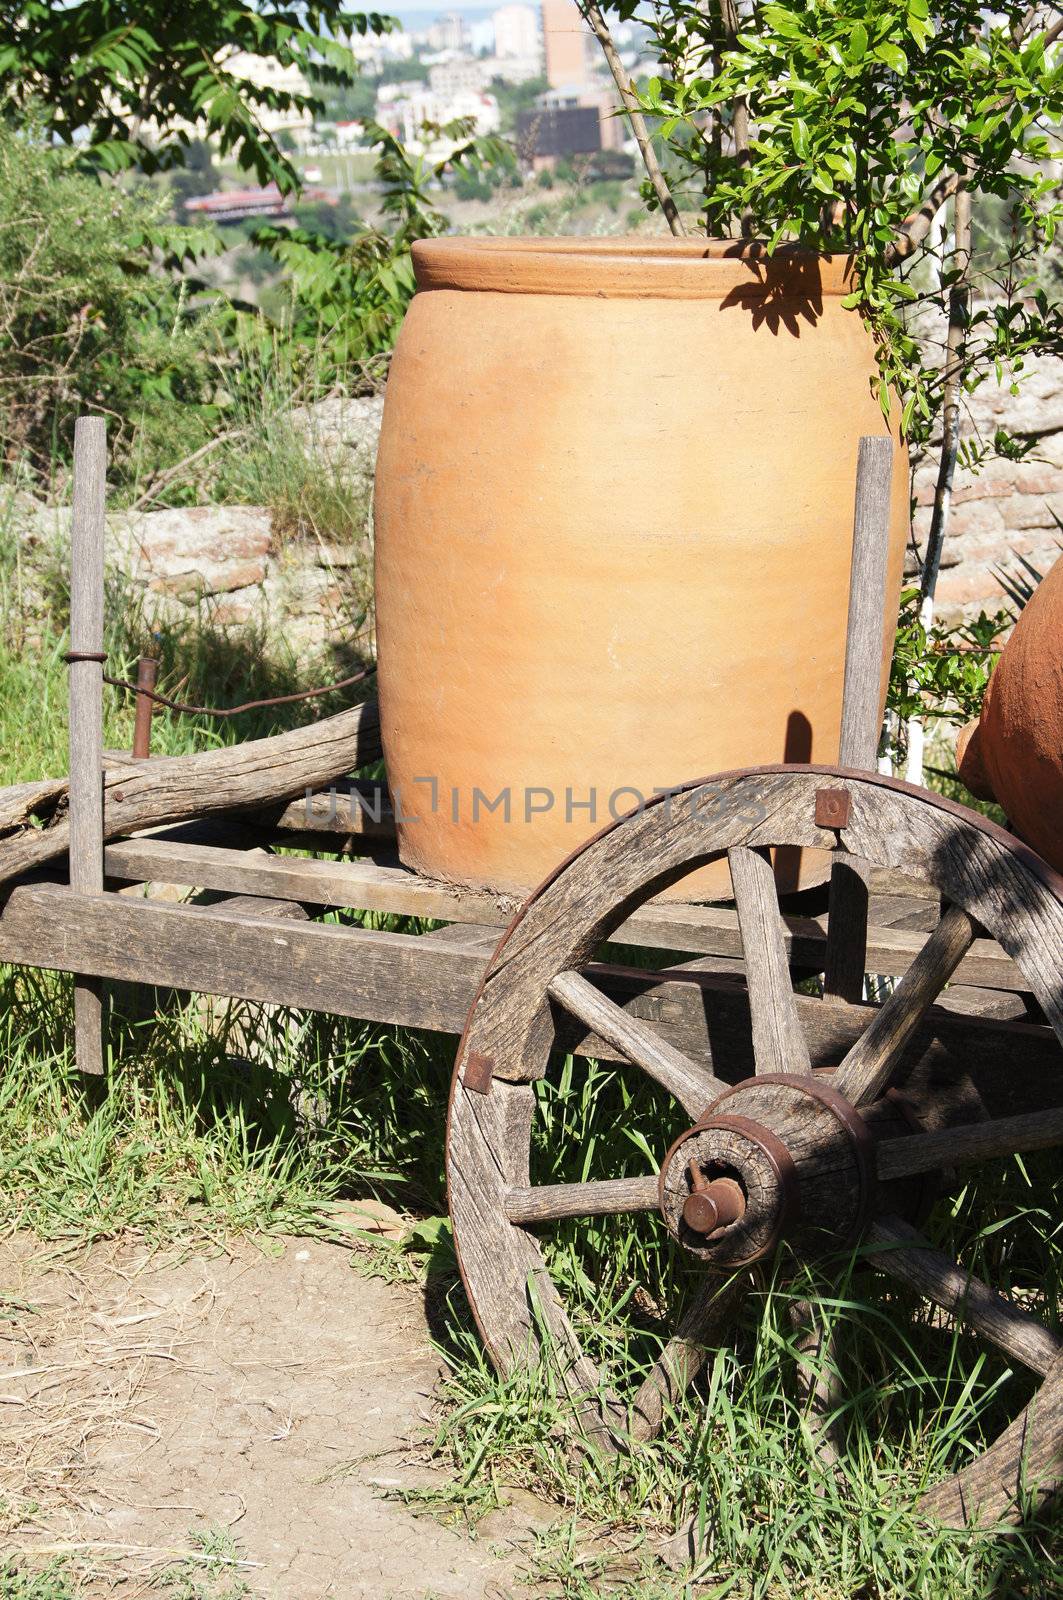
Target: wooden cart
814 1116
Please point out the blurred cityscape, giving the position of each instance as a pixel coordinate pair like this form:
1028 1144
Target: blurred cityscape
533 74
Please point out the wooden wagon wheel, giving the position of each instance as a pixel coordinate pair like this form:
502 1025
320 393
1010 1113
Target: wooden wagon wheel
785 1153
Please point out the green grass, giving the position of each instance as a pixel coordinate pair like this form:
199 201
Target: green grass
48 1584
227 1119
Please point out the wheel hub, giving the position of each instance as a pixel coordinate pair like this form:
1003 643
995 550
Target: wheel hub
775 1156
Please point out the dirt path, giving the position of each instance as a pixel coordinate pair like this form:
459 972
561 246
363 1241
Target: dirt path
153 1410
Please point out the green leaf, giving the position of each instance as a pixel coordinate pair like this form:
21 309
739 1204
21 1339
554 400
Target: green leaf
893 57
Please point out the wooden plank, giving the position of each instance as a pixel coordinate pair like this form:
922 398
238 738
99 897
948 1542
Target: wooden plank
953 1065
467 935
357 885
360 809
847 956
86 711
368 886
354 972
865 1072
866 628
778 1043
983 1002
846 960
921 913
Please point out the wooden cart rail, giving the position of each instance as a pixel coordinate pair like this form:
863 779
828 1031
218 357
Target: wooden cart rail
430 980
369 886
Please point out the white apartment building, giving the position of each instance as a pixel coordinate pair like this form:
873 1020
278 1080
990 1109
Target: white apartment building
459 76
513 69
516 31
405 115
448 32
268 73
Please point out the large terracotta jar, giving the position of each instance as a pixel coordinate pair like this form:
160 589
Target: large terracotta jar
614 504
1015 753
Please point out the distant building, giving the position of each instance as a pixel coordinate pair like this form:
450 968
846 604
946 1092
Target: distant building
396 46
460 76
349 133
482 37
373 49
236 205
564 43
269 73
406 114
577 120
516 31
549 132
448 32
513 69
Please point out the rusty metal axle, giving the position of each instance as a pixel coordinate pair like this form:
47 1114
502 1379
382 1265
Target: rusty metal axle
714 1203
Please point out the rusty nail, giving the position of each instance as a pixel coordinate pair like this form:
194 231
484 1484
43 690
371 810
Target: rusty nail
479 1072
832 808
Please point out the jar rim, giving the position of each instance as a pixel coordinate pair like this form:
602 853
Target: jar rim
632 267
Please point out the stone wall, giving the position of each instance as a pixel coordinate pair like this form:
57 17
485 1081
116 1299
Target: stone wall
1009 509
227 564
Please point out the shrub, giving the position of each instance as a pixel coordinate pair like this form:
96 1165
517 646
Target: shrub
93 315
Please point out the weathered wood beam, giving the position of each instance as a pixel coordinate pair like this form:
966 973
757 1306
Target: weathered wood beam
866 1069
552 1202
692 1086
778 1043
85 716
905 1254
976 1142
172 789
359 809
368 886
861 705
953 1065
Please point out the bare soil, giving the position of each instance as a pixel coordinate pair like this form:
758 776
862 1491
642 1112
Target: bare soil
149 1403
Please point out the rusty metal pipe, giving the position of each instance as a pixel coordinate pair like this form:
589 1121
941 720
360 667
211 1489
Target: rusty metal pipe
147 677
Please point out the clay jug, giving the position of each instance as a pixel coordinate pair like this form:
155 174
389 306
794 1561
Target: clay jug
614 504
1015 753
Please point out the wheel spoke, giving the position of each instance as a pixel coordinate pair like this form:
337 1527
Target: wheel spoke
693 1086
907 1255
976 1141
818 1380
867 1068
699 1332
778 1042
550 1202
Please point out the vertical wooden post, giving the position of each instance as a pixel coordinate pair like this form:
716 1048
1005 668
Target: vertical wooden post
86 710
861 705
